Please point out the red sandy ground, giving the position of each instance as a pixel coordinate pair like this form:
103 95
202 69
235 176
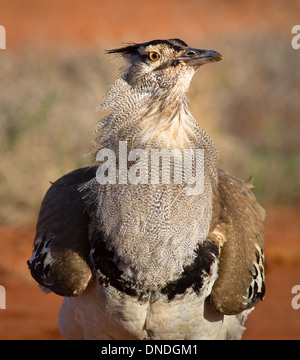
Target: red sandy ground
60 22
31 314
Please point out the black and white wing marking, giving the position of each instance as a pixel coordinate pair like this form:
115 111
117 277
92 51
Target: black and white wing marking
239 227
256 290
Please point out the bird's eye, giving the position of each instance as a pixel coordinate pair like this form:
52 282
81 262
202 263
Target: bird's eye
154 56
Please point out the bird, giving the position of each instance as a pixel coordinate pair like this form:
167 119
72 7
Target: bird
154 241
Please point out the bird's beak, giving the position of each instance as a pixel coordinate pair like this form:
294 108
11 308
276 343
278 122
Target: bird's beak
197 57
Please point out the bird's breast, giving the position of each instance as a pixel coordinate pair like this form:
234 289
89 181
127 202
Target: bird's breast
152 233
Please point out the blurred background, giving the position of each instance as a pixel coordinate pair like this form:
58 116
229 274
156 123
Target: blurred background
53 74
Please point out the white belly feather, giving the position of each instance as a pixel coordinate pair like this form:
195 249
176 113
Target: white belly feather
105 313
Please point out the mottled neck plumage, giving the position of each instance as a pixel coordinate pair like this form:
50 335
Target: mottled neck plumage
148 116
157 116
139 220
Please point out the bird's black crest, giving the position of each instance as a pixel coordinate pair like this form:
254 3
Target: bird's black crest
132 48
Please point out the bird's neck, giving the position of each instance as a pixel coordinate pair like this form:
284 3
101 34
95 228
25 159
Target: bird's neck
147 118
143 218
152 120
168 123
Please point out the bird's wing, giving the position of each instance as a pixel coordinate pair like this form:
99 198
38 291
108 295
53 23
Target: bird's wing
59 260
240 231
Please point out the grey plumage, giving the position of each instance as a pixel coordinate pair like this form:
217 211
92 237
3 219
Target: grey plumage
162 263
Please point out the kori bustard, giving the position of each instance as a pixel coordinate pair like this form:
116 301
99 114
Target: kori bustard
155 242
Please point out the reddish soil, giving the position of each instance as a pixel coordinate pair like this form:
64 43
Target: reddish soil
31 314
60 22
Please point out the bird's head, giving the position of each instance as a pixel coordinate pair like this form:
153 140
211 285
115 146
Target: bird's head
163 64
